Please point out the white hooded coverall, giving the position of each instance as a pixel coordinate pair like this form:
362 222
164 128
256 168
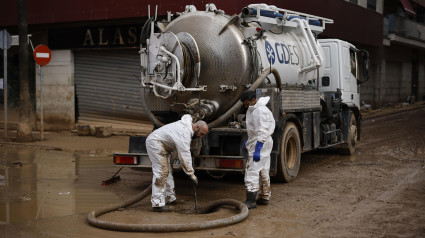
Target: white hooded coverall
159 145
260 126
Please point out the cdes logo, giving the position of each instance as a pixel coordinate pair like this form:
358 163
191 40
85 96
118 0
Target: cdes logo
270 53
285 53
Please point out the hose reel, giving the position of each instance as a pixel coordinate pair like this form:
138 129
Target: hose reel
171 63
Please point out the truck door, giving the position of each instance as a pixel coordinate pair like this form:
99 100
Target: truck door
349 84
330 79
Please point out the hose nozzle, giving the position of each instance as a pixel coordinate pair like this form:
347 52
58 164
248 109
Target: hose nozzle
196 199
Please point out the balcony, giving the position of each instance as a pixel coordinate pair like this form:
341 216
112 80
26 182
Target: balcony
402 30
403 27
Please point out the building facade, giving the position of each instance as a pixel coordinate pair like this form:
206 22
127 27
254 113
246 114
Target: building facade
94 73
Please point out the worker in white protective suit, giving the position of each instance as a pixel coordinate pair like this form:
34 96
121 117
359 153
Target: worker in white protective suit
260 126
175 136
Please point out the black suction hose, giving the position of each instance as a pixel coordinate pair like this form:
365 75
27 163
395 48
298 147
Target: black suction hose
232 110
94 221
254 86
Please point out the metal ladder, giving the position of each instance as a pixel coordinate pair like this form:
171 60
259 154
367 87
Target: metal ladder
311 44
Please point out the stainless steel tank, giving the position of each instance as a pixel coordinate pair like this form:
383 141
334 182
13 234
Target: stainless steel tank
226 63
202 61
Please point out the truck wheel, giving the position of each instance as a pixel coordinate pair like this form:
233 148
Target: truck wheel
289 160
350 147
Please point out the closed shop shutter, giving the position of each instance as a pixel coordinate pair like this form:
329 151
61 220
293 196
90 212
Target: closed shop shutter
393 82
107 87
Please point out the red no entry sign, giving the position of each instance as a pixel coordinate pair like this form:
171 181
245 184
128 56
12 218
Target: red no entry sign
42 55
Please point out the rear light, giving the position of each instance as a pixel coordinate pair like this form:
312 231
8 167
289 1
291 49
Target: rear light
229 164
125 159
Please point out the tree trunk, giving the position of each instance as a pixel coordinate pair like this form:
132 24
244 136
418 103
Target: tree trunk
24 125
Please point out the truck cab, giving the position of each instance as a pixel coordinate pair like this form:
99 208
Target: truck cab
343 63
340 70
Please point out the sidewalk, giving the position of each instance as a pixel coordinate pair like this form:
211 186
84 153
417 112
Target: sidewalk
70 141
391 110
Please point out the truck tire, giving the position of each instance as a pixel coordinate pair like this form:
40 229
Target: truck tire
288 163
350 147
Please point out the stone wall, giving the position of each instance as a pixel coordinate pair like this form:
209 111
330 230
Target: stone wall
58 92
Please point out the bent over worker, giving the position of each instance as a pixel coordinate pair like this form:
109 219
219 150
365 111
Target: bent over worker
160 144
260 126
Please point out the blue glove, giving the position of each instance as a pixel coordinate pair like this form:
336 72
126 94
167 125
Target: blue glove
258 147
244 145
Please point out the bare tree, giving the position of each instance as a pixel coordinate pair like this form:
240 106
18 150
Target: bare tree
24 125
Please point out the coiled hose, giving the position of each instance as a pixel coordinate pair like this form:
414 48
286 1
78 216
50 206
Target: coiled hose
94 221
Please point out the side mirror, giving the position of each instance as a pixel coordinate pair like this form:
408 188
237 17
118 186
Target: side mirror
366 65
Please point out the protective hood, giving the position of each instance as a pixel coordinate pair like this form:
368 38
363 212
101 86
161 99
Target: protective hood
187 122
261 102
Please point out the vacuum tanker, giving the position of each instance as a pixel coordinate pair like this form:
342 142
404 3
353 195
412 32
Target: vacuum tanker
199 62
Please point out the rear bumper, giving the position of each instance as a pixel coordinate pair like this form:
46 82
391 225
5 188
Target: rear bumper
205 162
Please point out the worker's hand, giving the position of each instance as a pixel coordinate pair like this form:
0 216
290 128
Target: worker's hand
194 180
258 148
244 145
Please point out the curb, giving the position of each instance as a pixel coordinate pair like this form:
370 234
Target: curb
392 111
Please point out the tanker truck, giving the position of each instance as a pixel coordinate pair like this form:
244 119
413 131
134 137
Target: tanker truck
199 62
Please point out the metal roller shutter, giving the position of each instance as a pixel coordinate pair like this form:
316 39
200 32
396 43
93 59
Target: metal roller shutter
107 87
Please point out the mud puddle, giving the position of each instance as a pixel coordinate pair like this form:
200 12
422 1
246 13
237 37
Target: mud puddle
38 183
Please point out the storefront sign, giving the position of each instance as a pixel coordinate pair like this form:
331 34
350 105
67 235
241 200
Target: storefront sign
95 37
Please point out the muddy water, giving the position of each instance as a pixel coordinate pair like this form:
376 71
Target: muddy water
37 183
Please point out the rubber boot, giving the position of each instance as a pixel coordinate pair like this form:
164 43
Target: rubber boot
161 209
262 201
250 200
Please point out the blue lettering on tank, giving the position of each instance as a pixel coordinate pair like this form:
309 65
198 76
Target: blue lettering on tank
282 56
286 53
270 53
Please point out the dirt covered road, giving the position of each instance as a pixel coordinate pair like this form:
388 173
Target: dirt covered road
378 192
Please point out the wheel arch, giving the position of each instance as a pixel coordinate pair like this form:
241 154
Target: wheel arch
281 125
284 173
356 111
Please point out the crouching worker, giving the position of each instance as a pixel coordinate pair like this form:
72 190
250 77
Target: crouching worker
160 143
260 125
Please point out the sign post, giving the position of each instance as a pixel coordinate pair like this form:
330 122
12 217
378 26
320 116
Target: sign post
5 42
42 56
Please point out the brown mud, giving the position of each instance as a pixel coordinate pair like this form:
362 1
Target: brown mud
377 192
